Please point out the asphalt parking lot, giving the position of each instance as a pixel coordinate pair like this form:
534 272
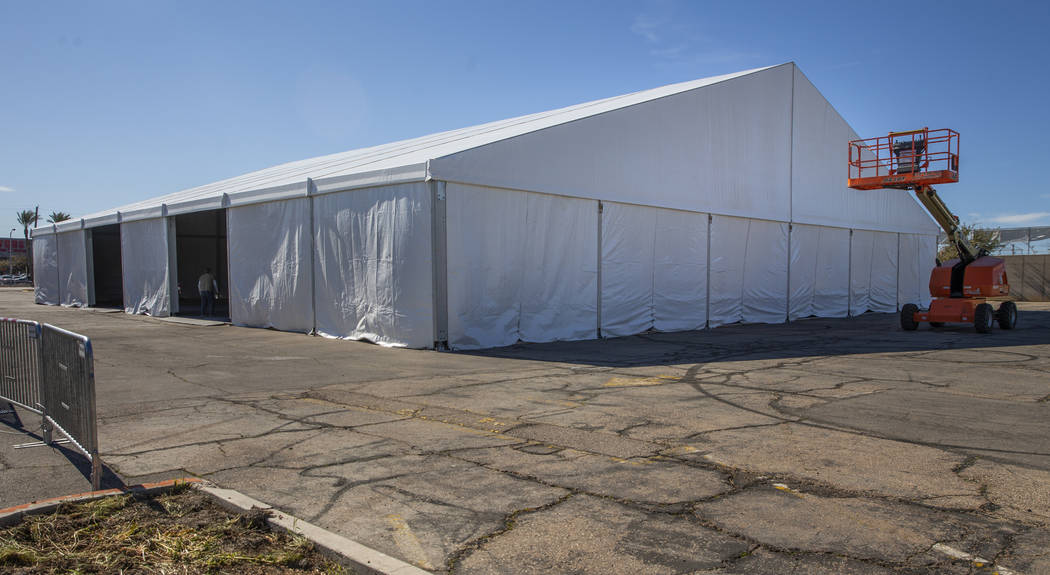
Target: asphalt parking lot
822 446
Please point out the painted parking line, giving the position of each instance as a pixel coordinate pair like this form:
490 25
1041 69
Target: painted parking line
407 542
977 561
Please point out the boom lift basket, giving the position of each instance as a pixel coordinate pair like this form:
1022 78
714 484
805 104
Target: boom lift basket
904 160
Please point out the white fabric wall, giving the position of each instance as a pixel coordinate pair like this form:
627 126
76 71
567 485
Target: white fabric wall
144 258
728 250
270 271
45 269
909 270
918 254
72 268
884 273
819 271
654 269
520 266
559 289
766 272
486 265
731 140
628 239
927 260
680 271
373 265
873 277
749 260
862 244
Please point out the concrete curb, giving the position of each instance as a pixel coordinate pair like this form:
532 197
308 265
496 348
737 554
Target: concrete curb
362 559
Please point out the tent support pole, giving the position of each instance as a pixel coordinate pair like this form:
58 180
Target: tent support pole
311 189
601 210
58 264
849 278
89 265
707 297
439 259
173 263
898 271
791 190
787 310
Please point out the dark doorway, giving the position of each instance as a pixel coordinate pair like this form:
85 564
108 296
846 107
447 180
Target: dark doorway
107 270
200 243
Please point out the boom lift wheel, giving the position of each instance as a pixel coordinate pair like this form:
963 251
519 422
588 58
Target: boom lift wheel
983 317
1007 315
908 322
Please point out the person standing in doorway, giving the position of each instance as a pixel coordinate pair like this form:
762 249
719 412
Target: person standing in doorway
208 287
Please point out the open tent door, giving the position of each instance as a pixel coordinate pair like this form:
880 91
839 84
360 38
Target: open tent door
106 269
201 244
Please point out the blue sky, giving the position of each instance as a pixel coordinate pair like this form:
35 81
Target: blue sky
107 103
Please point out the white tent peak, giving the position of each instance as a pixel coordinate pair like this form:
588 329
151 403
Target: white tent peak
403 160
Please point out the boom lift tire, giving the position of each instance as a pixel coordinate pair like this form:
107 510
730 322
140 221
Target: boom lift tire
1007 315
983 317
908 322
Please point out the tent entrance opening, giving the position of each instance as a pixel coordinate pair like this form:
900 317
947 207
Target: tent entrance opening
201 248
106 267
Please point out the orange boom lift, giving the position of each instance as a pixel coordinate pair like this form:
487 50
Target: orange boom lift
917 160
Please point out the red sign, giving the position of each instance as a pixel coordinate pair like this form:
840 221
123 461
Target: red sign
14 246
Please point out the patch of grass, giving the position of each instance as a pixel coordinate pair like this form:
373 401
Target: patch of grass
178 532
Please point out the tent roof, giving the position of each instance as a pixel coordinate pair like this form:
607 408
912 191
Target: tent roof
395 162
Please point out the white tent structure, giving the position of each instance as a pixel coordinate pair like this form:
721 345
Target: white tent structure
694 205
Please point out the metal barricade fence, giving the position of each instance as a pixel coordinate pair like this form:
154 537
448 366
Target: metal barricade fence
51 371
68 393
20 362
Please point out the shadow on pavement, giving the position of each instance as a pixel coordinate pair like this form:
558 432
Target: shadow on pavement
869 333
44 471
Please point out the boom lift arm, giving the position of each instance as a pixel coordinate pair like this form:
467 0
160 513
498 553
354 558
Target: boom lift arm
948 221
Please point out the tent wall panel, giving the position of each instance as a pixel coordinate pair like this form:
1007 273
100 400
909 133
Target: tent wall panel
559 292
270 275
680 271
862 244
520 266
927 261
486 265
911 276
145 256
765 272
884 273
873 272
819 277
805 243
730 139
373 265
628 239
72 268
45 269
728 251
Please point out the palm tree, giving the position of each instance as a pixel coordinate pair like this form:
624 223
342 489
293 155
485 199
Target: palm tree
56 217
27 218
